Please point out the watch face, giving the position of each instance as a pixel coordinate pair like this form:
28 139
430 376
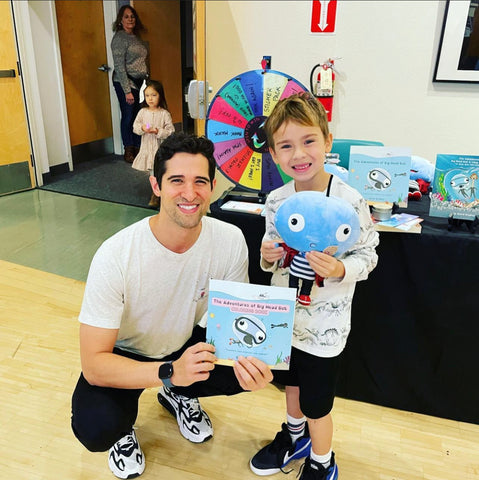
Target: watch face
166 370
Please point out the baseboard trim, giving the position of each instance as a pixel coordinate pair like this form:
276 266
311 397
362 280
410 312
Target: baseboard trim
55 170
96 149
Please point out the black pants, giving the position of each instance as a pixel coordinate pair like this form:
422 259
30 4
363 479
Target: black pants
316 378
102 415
128 116
306 285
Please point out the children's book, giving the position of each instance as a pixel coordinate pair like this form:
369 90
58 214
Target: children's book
398 219
409 226
251 320
380 174
454 190
245 207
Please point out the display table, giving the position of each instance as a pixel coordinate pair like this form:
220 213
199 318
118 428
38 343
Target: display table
415 321
252 227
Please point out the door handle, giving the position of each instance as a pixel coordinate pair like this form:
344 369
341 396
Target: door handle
7 73
104 68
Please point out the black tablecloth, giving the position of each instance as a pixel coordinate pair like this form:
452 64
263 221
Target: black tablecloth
415 321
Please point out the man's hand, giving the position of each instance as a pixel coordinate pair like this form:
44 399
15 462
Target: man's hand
325 265
252 374
272 251
194 365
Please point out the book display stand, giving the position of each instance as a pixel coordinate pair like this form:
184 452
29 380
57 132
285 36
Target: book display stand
454 193
456 223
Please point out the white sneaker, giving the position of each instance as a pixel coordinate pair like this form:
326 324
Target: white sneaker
125 458
194 423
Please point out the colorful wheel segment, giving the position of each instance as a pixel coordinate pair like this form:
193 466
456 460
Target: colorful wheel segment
234 123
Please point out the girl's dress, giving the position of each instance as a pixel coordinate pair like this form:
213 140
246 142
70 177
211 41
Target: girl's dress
160 119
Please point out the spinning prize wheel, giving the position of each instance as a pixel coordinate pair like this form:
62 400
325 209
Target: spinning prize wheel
234 124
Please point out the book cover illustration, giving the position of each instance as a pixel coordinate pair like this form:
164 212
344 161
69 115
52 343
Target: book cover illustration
398 219
380 174
251 320
399 222
454 188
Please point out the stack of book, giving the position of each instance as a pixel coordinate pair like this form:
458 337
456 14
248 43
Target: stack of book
244 207
400 222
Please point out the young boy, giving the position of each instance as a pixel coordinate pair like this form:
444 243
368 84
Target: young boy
299 138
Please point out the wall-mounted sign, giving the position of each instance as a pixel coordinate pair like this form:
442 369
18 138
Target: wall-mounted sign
323 16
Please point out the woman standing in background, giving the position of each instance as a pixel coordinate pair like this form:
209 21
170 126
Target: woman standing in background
130 55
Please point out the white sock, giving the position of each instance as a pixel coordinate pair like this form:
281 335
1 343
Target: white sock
324 460
296 427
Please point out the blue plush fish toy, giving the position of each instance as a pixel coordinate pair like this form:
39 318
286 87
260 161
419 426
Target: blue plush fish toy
310 220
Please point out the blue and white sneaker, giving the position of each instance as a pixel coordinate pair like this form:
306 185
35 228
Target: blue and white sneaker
194 423
311 470
276 455
125 458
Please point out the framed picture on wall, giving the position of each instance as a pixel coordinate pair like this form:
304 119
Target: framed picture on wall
458 53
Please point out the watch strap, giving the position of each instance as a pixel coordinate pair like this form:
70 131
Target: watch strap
167 382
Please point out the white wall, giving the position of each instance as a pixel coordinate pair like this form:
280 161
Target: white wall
31 88
50 84
384 90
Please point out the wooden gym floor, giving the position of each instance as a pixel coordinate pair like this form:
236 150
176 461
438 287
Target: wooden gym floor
46 243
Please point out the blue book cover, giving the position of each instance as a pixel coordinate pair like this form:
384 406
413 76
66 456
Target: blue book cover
398 219
251 320
454 188
380 174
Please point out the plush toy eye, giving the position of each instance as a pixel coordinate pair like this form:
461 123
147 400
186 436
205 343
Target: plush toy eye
343 232
296 222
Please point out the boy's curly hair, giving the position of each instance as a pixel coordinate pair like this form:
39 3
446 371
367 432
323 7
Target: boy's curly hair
302 108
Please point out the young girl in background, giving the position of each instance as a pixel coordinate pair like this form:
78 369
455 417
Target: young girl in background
153 123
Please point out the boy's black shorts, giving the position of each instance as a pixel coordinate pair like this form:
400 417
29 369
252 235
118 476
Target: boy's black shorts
316 378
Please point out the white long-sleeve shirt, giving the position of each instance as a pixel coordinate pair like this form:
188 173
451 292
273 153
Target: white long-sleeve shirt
322 328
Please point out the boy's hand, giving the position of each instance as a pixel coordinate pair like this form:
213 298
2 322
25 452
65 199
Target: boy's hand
325 265
252 374
272 250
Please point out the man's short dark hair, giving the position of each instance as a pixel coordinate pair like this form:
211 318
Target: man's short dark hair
183 142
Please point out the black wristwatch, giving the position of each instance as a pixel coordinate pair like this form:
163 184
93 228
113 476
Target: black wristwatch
165 372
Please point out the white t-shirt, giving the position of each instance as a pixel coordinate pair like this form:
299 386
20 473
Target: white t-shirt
155 296
322 328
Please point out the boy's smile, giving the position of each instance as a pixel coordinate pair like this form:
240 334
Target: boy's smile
300 151
301 168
